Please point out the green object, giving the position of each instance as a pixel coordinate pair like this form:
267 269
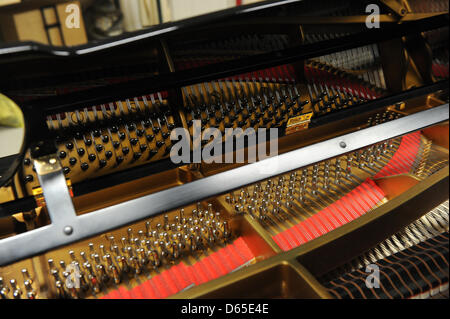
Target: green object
10 113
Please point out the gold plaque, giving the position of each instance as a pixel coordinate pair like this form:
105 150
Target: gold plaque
298 123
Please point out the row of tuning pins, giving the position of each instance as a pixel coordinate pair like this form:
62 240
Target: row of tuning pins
137 125
327 96
142 252
13 290
373 158
357 59
234 44
353 59
339 92
278 197
261 42
244 102
386 116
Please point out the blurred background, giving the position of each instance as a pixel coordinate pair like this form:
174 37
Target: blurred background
69 23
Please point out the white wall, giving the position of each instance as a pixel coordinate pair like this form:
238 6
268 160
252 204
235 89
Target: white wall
141 13
131 14
182 9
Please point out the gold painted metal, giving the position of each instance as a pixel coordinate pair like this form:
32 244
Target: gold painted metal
130 190
273 278
298 123
398 7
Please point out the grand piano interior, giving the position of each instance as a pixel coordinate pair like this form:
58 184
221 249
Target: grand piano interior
98 209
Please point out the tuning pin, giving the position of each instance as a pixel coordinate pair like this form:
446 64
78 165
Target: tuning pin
130 235
301 196
192 243
93 278
338 177
123 264
226 230
51 263
55 274
148 228
326 181
238 209
211 236
60 289
17 294
338 164
384 147
83 256
4 292
31 294
371 160
135 263
182 217
148 245
111 240
115 274
115 249
103 250
62 264
175 253
72 161
26 276
137 243
177 223
124 243
129 252
15 289
349 164
102 272
166 223
141 235
91 249
97 259
143 257
155 258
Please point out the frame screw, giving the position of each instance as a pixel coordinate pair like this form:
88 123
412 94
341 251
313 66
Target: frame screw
342 144
68 230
